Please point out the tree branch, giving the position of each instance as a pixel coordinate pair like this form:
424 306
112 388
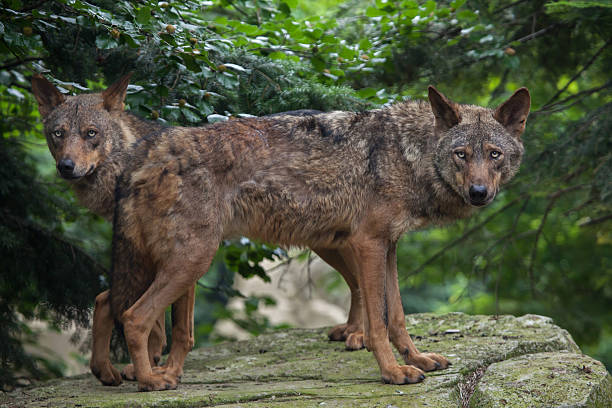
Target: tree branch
579 207
17 62
581 95
244 13
596 220
553 197
535 35
577 75
464 236
510 233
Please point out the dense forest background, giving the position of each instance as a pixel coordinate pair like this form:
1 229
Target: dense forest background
543 247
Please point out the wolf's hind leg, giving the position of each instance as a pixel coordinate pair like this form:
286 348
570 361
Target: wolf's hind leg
101 331
350 332
397 324
156 343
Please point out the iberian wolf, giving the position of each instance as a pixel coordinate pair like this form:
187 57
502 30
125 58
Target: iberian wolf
345 184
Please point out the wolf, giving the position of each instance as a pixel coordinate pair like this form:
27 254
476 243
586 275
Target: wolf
345 184
95 189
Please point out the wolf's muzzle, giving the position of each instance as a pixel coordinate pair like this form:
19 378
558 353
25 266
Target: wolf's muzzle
66 168
478 195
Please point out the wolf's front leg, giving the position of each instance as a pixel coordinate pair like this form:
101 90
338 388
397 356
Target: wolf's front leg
156 344
174 278
397 324
371 254
182 335
101 331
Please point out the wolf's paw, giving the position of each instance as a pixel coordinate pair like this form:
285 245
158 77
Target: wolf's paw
176 372
158 382
337 333
106 373
404 374
342 331
427 361
128 373
354 341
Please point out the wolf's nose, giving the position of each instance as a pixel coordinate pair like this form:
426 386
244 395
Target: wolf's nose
65 167
478 193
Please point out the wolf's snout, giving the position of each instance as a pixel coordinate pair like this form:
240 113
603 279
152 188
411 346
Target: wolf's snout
478 194
66 167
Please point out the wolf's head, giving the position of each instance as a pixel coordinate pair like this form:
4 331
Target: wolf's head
81 130
478 149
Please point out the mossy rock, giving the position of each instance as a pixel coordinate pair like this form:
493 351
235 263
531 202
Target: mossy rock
545 380
301 368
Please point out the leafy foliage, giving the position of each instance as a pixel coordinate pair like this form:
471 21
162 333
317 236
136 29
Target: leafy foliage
543 246
44 275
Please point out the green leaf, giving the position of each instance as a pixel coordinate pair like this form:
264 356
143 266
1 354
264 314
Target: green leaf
365 44
315 33
347 53
429 7
284 8
292 3
443 12
227 80
204 108
190 116
277 55
410 4
366 92
245 28
129 40
318 63
466 15
143 15
105 42
162 90
374 12
191 63
337 72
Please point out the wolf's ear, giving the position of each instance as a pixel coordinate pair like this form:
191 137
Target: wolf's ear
46 94
513 113
446 112
115 94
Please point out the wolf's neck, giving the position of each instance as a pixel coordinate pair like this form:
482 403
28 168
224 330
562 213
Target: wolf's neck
97 192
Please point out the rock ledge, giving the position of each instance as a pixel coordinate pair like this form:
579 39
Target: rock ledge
497 362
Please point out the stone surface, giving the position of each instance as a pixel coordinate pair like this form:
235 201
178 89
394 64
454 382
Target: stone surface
544 380
301 368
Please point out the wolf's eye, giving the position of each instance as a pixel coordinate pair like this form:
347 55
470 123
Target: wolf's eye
91 133
495 154
460 154
58 133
